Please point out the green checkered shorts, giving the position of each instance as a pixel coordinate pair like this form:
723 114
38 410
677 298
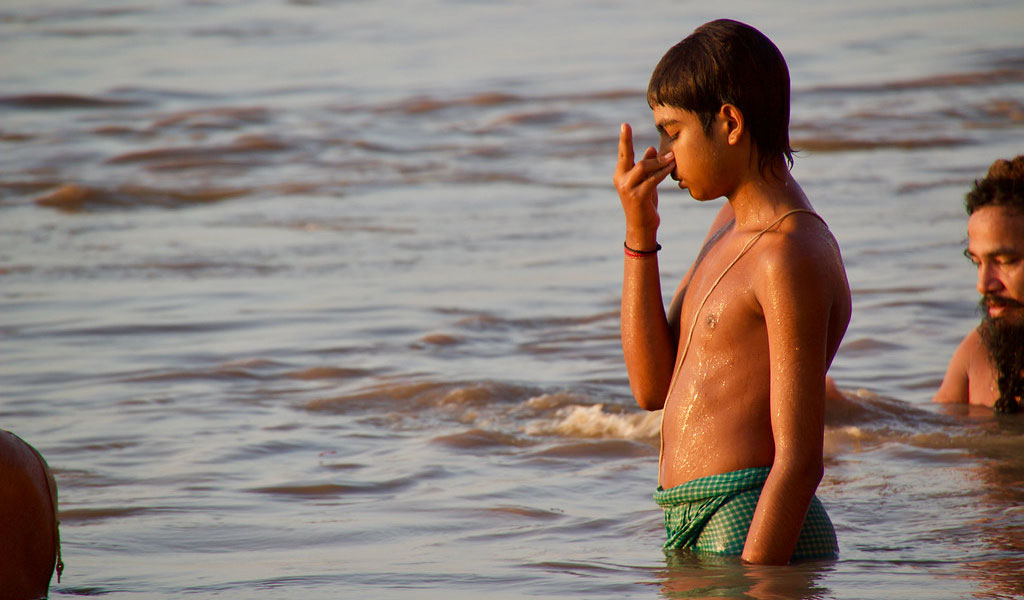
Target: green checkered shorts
713 514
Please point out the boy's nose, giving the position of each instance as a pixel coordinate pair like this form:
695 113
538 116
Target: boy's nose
664 144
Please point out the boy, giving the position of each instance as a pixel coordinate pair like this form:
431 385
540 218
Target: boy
738 361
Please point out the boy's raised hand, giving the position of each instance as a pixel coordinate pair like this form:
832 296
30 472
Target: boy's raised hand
637 185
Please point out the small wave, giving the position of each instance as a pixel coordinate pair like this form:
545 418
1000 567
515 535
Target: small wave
105 446
226 118
152 270
923 186
71 197
862 407
993 113
420 104
424 104
315 373
841 144
489 322
863 420
1005 109
322 490
77 13
10 136
596 571
467 176
149 328
423 395
441 339
78 515
526 118
946 80
608 448
344 224
479 438
522 511
216 374
868 345
78 478
64 101
27 186
619 94
246 144
593 422
897 289
252 363
904 440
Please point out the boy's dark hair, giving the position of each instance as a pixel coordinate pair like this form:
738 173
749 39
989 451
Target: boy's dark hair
1002 186
728 62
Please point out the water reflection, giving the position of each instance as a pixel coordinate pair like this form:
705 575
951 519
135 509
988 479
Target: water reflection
692 575
998 446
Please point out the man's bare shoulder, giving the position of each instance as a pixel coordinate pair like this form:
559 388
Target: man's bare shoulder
971 352
972 344
969 355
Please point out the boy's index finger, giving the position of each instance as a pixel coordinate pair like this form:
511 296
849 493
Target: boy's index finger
625 148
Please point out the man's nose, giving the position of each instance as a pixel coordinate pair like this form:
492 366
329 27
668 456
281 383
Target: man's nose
988 278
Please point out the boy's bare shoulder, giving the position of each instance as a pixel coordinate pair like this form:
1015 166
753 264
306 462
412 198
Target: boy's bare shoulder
800 269
802 247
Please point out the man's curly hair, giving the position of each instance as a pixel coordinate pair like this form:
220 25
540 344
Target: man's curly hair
1002 186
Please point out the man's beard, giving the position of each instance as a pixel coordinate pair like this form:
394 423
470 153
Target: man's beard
1004 341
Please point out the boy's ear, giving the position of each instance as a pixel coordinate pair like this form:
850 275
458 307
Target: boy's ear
733 123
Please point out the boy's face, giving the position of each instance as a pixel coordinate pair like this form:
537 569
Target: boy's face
699 164
996 246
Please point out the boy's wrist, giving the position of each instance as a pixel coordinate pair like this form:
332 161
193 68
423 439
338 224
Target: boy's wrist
642 240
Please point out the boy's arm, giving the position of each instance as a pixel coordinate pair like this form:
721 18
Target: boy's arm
796 291
647 341
954 388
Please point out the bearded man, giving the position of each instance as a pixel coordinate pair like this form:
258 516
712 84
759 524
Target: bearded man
987 368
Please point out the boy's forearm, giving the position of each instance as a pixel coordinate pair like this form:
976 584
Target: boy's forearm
779 516
646 337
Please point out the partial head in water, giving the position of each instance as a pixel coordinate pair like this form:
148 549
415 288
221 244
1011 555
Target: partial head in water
29 536
728 62
995 232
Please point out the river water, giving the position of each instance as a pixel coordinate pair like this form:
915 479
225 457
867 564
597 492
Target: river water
320 298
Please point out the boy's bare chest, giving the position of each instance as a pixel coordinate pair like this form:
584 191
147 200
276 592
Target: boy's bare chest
721 296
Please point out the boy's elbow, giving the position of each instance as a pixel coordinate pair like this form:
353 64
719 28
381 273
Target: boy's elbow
649 400
813 467
807 470
650 405
816 471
